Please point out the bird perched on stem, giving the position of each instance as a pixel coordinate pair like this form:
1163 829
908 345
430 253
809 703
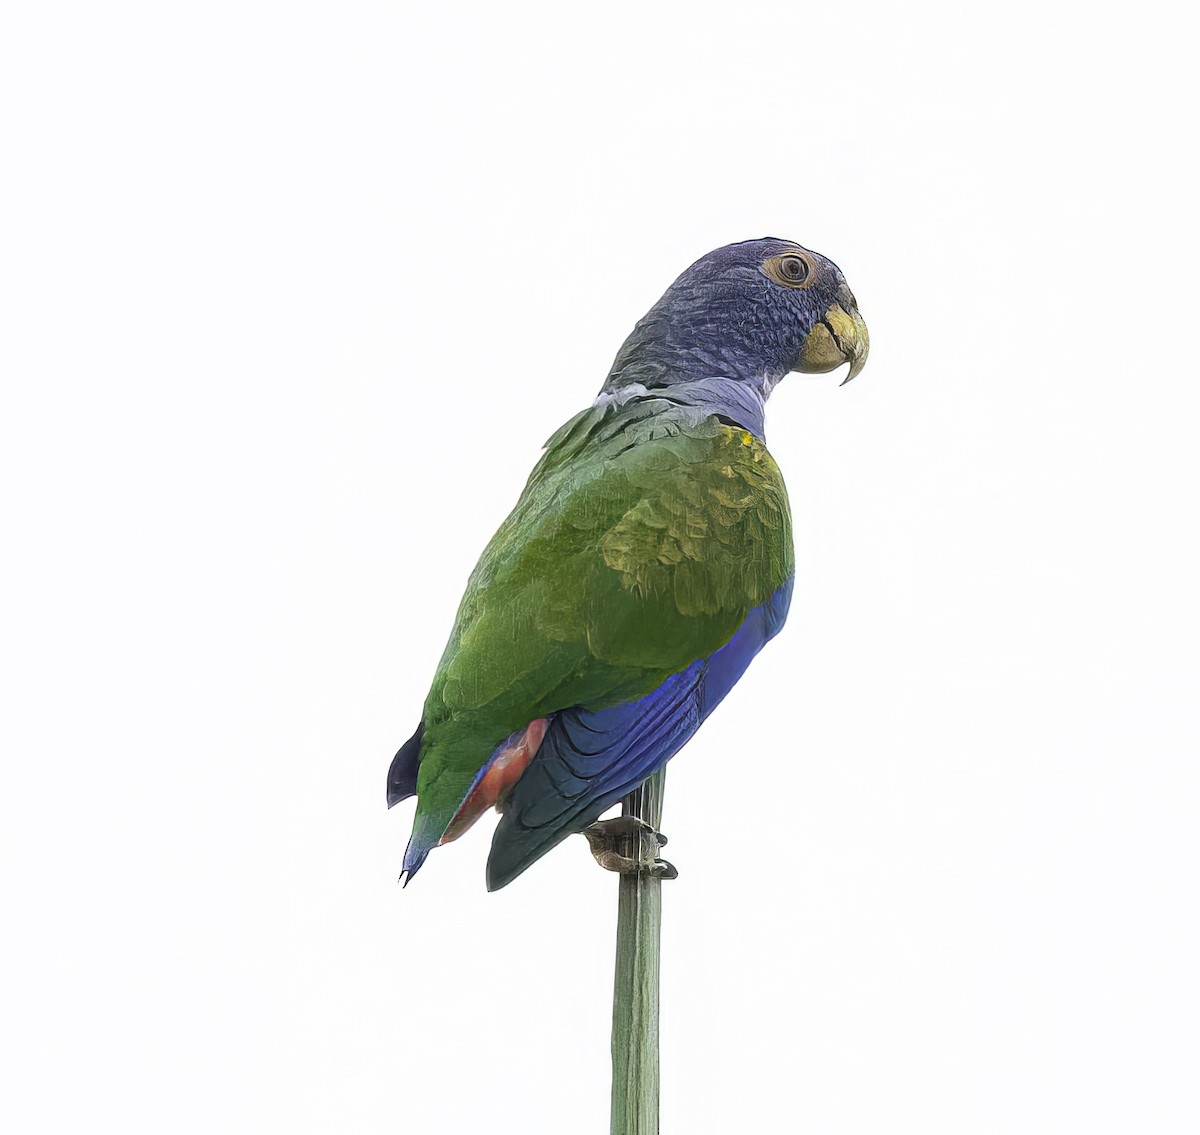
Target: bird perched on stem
646 563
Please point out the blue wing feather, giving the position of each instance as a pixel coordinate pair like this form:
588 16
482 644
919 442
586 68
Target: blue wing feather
590 760
402 775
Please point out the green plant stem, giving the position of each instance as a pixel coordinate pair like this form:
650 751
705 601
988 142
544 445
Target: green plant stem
635 990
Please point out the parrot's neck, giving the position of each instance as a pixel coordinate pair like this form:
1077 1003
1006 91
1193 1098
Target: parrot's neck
715 372
741 402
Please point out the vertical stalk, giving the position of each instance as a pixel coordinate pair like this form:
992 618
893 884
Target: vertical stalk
635 990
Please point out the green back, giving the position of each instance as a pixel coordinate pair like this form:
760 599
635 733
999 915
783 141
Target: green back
641 542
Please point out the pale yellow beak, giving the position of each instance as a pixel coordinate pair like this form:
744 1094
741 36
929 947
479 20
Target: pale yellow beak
841 337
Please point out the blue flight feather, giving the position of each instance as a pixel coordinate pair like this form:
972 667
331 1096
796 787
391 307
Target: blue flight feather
590 760
402 775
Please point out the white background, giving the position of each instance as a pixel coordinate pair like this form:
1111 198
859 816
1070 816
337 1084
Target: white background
292 295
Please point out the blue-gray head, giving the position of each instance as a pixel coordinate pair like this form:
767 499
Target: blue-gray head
746 314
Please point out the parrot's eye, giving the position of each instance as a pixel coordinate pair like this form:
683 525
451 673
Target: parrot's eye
791 270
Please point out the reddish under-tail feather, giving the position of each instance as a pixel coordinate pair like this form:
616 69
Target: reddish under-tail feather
502 772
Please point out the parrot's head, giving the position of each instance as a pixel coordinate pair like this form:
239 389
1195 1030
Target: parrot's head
750 312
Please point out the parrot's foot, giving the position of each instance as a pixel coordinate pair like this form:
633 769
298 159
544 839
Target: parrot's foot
629 846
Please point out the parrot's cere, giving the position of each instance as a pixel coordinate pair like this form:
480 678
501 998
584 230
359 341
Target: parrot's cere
648 560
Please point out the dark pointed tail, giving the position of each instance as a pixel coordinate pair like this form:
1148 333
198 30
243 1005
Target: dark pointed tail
402 776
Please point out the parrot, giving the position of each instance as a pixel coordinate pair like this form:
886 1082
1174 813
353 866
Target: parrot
647 561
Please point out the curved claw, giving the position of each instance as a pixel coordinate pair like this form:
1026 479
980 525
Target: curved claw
629 846
664 870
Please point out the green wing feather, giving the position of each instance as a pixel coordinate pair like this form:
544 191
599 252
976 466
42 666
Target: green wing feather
641 542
